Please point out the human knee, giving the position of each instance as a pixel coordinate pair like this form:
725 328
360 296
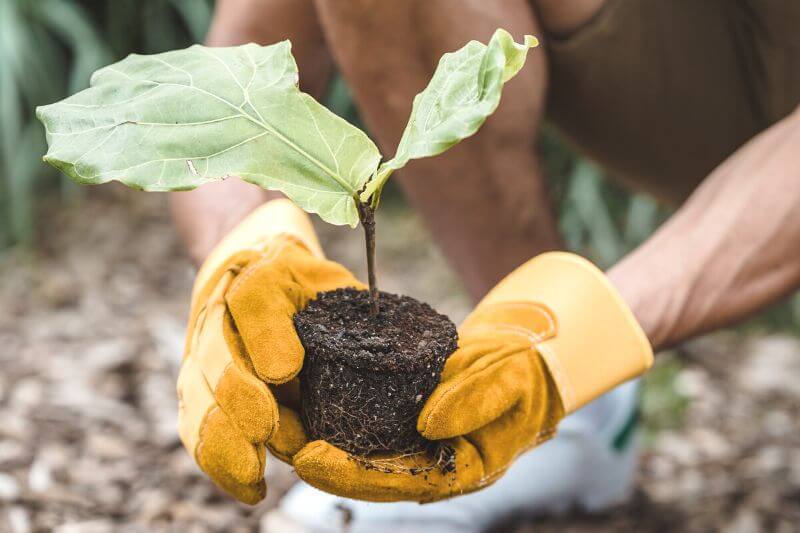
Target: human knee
563 17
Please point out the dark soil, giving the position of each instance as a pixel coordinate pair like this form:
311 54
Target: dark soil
365 379
89 442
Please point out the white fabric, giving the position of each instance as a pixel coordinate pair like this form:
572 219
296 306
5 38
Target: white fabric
577 467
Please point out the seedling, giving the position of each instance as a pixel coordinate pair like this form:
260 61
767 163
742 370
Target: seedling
176 120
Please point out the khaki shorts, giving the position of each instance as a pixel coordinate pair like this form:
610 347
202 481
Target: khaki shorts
661 91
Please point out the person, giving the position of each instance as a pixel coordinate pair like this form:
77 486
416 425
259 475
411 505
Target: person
692 102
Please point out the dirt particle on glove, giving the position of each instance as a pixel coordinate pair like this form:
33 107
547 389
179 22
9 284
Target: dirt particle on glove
365 378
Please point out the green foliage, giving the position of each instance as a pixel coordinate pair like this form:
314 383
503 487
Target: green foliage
597 217
49 48
176 120
663 405
32 71
464 90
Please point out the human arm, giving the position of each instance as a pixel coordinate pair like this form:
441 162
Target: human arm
205 215
730 250
242 354
555 334
499 215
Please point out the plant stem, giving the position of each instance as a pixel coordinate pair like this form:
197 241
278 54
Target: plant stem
367 216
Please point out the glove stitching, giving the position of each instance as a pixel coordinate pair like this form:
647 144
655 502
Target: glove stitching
274 415
214 405
554 364
199 445
267 257
527 334
200 442
539 308
456 384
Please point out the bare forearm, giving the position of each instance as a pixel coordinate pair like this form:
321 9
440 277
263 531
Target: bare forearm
497 214
206 214
731 250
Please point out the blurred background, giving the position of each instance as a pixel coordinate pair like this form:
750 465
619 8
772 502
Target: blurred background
94 291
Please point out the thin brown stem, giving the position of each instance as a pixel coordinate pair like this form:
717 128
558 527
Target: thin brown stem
367 216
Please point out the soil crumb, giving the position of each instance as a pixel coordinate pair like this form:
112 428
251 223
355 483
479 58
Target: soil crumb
365 379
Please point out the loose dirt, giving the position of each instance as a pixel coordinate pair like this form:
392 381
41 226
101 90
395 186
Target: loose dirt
365 378
92 328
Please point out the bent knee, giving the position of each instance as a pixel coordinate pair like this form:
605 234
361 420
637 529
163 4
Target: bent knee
563 17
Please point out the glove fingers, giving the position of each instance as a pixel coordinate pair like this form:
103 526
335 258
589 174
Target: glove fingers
319 275
473 350
249 494
214 441
262 301
290 437
518 430
470 399
229 459
265 297
249 404
384 479
243 397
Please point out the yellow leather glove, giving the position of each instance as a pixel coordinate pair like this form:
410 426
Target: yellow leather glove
552 336
242 346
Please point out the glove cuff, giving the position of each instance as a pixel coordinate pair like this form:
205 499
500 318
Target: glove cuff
597 343
275 218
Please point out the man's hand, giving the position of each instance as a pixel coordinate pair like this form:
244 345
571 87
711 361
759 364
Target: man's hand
549 338
242 350
496 399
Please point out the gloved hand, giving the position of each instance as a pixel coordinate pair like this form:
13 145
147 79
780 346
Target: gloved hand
549 338
237 383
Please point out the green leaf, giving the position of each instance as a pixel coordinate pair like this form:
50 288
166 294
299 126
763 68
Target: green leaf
464 91
176 120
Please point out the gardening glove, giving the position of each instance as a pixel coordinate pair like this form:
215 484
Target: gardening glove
241 346
549 338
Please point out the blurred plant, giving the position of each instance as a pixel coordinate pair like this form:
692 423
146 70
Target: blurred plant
597 217
49 48
604 221
45 47
663 406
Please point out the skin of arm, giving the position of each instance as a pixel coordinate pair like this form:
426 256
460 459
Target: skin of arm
485 200
485 234
727 253
730 250
205 215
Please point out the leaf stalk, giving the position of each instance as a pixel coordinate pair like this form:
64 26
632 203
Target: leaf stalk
367 216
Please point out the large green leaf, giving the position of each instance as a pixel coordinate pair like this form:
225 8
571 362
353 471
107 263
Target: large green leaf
464 91
176 120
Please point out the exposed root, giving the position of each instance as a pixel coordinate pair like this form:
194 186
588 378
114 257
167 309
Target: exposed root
436 457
